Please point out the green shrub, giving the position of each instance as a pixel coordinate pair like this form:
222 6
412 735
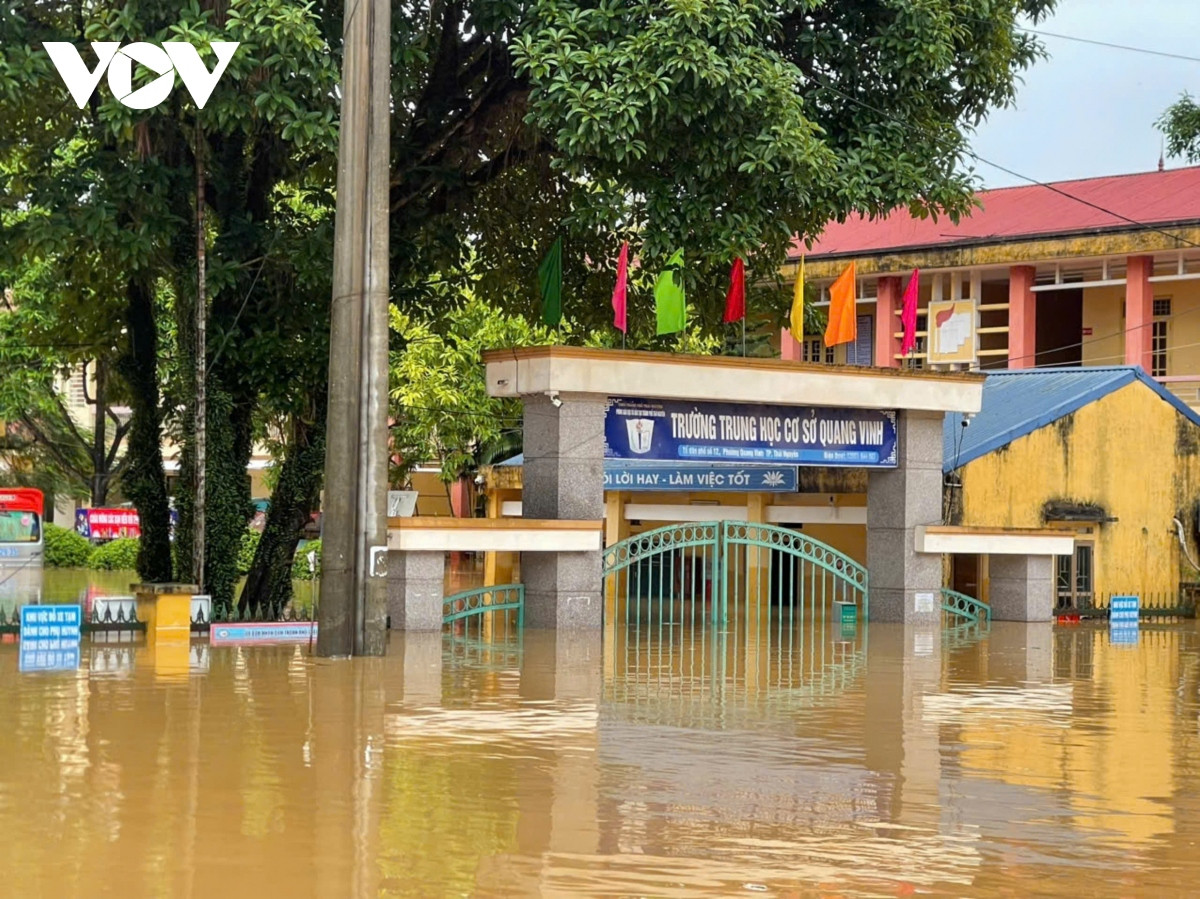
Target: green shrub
116 555
300 570
65 548
246 552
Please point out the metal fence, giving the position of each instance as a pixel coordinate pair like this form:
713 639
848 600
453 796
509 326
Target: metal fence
1162 604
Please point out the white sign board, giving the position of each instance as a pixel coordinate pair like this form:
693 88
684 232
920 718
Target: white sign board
924 604
401 503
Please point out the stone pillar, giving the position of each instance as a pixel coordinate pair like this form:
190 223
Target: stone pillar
1022 588
1139 311
1022 317
887 322
416 588
563 478
898 500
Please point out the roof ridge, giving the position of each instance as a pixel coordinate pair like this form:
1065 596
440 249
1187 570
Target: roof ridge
1043 184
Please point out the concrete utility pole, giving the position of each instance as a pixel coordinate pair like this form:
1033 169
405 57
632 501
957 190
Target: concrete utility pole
200 424
352 618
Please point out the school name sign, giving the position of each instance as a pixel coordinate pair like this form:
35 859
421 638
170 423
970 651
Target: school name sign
662 430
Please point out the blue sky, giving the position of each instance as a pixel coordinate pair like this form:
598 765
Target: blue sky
1090 110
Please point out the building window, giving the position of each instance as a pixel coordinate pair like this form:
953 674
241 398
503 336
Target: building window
1073 578
1162 306
1158 350
812 351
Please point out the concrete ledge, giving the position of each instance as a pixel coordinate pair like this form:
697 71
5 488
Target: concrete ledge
581 370
494 535
939 539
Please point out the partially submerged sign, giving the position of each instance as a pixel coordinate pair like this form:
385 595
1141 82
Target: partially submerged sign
701 476
644 429
1124 615
264 633
50 637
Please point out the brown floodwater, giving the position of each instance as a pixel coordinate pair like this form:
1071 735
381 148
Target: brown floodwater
1020 761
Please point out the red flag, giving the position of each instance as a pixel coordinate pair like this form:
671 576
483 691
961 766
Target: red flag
908 313
735 299
618 300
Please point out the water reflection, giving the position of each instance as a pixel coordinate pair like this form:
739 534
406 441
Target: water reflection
1015 761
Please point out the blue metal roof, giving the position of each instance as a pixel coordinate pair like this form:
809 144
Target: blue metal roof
1016 403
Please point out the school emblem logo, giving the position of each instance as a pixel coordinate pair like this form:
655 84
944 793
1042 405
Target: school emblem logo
641 434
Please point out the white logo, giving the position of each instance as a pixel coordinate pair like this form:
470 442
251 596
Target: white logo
641 432
165 61
773 479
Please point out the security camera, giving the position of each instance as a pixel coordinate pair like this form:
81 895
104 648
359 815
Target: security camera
966 420
555 399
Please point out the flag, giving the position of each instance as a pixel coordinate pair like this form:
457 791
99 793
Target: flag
908 313
550 279
843 312
618 300
670 302
735 298
797 319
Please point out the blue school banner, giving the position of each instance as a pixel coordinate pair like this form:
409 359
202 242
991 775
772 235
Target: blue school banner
669 430
701 476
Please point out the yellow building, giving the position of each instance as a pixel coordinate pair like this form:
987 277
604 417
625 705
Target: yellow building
1107 453
1100 271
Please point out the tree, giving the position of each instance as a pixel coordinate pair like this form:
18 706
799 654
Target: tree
1180 123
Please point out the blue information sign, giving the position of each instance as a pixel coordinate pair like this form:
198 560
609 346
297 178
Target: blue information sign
641 429
50 637
1123 617
700 476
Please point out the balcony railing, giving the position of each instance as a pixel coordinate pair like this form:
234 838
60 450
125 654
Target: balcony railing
1186 387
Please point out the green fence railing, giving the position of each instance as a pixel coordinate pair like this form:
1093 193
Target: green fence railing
482 601
965 608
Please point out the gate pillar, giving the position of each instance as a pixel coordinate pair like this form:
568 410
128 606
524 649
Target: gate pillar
905 585
416 588
563 478
1022 588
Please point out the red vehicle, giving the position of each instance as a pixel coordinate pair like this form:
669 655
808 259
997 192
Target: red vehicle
21 510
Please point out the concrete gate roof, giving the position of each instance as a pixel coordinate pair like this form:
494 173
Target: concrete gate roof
530 371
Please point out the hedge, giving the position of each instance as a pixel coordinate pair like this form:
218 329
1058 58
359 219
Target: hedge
65 548
116 555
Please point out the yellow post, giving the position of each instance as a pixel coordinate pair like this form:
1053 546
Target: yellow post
616 529
166 610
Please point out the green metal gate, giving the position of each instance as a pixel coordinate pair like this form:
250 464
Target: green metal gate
716 572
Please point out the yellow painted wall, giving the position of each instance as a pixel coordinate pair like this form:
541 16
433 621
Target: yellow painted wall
1120 453
1103 312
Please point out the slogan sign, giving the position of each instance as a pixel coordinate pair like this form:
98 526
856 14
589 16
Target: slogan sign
262 634
107 524
639 429
50 638
702 476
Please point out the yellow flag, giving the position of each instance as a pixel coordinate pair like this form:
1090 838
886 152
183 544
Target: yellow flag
797 321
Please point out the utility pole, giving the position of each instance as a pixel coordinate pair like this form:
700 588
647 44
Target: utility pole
352 618
200 435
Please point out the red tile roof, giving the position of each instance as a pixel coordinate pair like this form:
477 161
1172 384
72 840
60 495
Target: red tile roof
1020 213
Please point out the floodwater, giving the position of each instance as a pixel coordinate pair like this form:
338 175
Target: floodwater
1020 761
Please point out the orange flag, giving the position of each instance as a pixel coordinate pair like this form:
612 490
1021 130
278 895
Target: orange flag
843 317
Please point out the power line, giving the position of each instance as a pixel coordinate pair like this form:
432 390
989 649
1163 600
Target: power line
1108 44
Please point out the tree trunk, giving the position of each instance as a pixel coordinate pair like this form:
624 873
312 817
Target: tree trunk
269 583
145 483
99 438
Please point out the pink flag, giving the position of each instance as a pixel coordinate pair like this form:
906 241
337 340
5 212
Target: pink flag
908 313
618 300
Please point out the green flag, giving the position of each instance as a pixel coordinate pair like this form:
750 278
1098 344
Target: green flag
670 303
550 279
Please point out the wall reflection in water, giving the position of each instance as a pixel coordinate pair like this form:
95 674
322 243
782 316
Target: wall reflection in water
1015 760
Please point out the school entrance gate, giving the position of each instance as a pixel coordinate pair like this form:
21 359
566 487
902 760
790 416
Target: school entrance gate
715 573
